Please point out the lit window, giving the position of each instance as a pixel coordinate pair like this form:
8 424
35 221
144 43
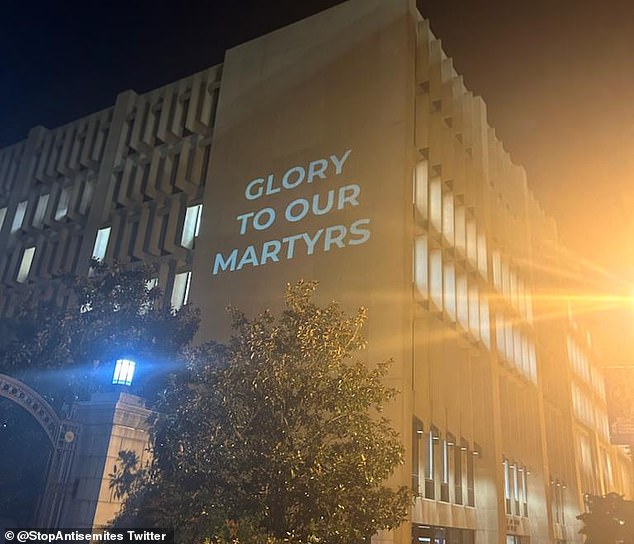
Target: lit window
447 217
3 214
191 225
516 490
485 332
123 372
497 272
482 255
417 435
18 218
513 289
474 311
532 359
25 265
420 188
450 291
524 488
507 486
462 301
435 277
459 219
472 248
420 265
62 204
40 211
435 204
101 244
508 336
499 335
444 483
180 292
86 197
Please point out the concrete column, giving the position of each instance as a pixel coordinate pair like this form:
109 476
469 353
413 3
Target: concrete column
108 423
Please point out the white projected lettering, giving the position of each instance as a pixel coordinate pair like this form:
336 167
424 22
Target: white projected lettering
293 211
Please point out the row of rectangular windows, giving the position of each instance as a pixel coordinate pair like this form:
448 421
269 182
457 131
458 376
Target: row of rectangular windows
442 467
558 501
594 416
584 368
68 198
449 217
160 116
515 488
190 230
515 346
457 226
69 148
451 291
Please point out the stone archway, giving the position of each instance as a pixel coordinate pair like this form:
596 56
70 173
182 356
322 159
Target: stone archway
62 434
33 403
77 490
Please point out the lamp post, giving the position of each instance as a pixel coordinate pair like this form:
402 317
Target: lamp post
123 372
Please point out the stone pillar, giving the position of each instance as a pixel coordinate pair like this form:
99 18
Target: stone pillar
108 423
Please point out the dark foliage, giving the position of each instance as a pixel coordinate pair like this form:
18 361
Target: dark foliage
277 437
609 520
67 354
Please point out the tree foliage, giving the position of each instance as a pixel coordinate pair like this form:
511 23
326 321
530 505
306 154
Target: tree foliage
609 520
276 437
66 354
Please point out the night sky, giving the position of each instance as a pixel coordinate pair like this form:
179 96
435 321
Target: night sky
557 76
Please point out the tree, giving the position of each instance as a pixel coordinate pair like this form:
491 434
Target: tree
276 437
66 354
609 520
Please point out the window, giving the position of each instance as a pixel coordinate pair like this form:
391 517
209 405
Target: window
25 264
462 301
507 486
40 211
18 218
420 265
449 291
123 372
62 204
472 250
180 291
447 217
482 255
420 188
101 244
474 311
435 204
417 439
524 490
86 197
459 218
444 472
459 452
3 214
485 332
430 463
516 490
471 476
435 277
497 270
191 225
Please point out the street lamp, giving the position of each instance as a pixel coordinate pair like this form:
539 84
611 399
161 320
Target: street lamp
123 372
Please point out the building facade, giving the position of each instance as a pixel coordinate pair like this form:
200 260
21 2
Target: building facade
345 148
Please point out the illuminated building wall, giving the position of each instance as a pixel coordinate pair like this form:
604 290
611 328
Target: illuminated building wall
345 148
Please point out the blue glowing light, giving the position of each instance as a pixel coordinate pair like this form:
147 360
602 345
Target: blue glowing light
123 372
